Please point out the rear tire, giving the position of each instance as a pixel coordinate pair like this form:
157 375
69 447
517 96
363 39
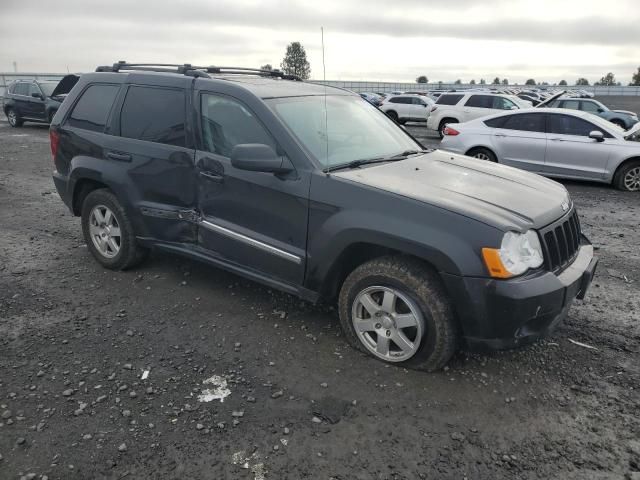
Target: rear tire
393 116
443 124
14 118
482 154
109 233
416 299
627 178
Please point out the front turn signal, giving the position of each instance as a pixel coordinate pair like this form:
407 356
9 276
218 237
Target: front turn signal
493 262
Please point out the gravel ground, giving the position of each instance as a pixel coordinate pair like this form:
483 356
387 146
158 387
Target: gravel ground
104 374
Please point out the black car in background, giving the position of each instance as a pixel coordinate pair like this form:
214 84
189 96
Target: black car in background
35 100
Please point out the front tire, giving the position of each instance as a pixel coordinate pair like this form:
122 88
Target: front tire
393 115
14 118
627 178
109 233
395 309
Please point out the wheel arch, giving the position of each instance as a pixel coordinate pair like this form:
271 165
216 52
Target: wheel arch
622 164
83 187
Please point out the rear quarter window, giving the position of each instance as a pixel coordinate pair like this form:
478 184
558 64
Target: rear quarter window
449 99
495 122
92 109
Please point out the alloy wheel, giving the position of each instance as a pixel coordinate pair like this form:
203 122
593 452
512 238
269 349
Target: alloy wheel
632 179
388 323
105 231
11 116
482 156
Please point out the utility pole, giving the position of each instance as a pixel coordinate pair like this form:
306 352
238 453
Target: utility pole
15 66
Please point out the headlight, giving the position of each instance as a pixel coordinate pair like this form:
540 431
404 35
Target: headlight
518 253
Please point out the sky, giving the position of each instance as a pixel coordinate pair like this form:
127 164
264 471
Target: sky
376 40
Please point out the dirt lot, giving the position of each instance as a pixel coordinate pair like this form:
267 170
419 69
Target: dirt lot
75 341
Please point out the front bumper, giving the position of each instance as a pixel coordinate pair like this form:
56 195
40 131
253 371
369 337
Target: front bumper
499 314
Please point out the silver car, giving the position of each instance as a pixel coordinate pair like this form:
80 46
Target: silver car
553 142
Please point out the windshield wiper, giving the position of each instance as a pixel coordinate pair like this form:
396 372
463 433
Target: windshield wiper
368 161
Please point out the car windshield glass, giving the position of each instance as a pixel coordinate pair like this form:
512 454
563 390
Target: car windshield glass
352 130
47 87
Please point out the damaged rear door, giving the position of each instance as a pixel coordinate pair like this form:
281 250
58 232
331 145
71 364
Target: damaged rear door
152 143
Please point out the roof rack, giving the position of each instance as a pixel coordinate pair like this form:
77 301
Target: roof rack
194 71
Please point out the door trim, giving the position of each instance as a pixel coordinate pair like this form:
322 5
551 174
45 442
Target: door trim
250 241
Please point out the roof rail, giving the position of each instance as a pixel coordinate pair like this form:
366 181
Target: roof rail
194 71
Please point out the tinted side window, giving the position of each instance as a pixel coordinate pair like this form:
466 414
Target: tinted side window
417 101
21 88
529 122
92 110
154 114
496 122
449 99
480 101
33 88
572 104
567 125
501 103
227 123
590 107
401 100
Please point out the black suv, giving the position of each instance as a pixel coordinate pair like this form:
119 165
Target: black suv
35 100
314 191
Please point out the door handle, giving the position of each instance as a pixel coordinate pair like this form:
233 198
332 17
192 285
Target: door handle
214 177
121 157
500 135
557 139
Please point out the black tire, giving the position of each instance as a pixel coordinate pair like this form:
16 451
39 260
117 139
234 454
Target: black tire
14 118
421 285
402 121
393 115
620 180
483 154
129 253
443 124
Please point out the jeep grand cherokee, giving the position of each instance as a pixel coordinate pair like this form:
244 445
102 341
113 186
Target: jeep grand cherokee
313 191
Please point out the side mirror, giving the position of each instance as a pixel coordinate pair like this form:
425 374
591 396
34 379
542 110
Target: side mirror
37 95
597 136
514 108
256 157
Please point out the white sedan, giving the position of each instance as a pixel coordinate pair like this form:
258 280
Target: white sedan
553 142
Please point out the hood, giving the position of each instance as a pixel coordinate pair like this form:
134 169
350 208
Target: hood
497 195
546 102
632 130
65 85
626 112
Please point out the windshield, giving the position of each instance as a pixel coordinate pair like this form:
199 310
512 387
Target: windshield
47 87
354 129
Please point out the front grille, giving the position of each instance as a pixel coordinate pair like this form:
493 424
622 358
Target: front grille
561 242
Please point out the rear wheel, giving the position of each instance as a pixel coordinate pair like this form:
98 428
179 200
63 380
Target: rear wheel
395 309
627 177
482 154
109 232
13 117
443 125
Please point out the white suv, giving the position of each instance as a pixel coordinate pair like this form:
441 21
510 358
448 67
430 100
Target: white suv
462 107
407 108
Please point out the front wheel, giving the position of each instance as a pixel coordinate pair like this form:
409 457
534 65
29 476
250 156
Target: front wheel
627 177
108 231
396 310
393 116
13 117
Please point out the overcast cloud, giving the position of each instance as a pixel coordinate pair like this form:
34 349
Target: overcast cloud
396 40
